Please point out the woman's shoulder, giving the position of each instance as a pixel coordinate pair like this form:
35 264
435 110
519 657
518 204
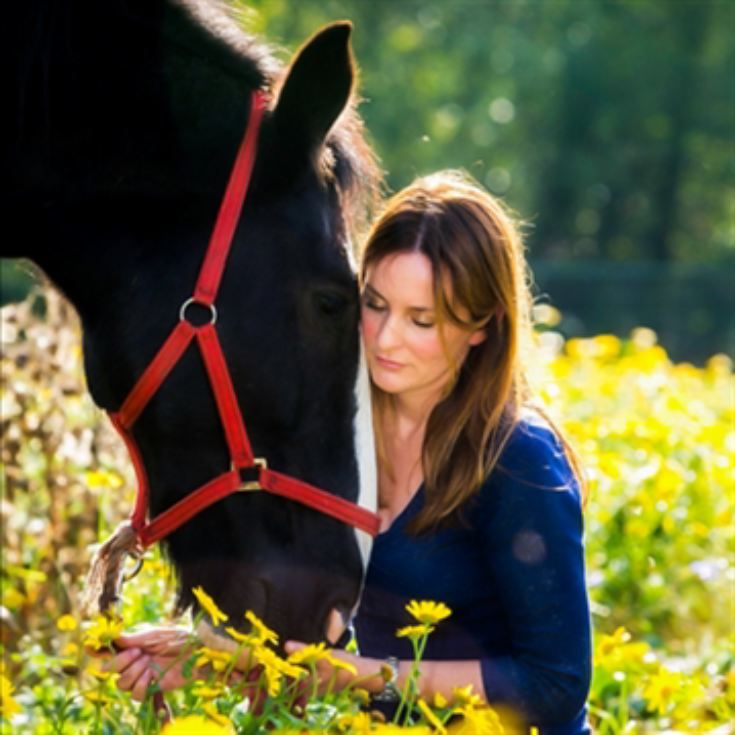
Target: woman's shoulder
533 458
533 481
532 440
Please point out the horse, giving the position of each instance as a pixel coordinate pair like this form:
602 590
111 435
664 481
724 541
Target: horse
126 117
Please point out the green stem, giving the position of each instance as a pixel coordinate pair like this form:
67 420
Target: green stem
623 713
408 689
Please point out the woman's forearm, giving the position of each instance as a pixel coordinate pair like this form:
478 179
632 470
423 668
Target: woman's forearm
435 677
443 677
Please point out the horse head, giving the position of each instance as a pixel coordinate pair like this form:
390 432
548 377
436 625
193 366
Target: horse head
124 237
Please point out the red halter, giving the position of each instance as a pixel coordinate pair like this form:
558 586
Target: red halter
248 473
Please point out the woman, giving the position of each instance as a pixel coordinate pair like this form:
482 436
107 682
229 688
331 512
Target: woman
479 499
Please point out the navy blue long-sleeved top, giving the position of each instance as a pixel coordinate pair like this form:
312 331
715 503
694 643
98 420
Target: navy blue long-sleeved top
513 577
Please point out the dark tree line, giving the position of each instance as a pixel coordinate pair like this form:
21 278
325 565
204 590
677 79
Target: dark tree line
607 125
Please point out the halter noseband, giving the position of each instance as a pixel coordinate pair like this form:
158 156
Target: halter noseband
248 473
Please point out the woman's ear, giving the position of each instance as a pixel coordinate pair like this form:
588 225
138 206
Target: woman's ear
478 337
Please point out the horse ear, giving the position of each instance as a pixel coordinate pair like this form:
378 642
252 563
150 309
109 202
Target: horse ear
317 87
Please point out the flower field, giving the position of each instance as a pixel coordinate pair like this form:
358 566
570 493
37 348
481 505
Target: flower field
657 443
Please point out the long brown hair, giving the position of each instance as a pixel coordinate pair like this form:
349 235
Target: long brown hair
479 269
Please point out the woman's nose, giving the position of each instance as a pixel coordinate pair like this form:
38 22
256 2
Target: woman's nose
388 334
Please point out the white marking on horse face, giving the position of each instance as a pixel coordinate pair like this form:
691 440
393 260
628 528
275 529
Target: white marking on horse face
365 445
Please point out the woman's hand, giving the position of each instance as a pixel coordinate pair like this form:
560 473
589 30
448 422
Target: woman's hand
158 655
153 655
340 669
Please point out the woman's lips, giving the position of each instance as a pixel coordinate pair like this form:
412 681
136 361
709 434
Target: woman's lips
388 364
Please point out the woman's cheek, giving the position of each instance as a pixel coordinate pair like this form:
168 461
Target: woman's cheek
427 345
369 326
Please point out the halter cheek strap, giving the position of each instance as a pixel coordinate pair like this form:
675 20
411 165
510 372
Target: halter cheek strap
247 473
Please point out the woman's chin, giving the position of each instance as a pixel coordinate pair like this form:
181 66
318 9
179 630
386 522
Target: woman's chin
388 383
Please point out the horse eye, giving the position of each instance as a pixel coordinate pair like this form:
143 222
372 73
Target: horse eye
330 303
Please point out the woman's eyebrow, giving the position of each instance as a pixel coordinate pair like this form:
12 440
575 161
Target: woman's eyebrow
372 291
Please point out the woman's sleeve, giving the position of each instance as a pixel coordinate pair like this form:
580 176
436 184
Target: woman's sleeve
531 529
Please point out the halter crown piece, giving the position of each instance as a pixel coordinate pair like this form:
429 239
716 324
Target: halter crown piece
248 472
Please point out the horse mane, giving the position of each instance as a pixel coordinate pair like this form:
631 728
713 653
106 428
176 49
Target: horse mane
349 158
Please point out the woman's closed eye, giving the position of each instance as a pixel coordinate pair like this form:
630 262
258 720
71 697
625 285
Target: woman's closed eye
379 307
372 304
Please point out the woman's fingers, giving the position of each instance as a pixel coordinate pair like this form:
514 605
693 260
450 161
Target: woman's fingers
121 661
161 641
170 674
140 686
136 640
132 672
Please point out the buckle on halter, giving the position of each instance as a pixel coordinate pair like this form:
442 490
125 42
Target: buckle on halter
190 302
250 476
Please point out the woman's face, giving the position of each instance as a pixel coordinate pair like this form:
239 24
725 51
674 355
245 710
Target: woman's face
406 353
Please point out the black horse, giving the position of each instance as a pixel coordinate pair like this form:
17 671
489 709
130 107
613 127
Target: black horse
125 119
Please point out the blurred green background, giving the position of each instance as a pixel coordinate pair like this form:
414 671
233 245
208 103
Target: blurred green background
607 126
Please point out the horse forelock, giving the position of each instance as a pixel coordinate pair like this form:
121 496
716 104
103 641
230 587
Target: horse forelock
226 23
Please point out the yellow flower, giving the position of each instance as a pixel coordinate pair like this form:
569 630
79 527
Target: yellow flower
66 623
415 632
617 650
361 696
210 607
13 599
309 654
465 697
273 679
103 478
8 705
275 668
246 638
214 715
608 643
260 629
440 701
661 689
477 721
430 717
103 632
357 724
197 725
271 660
97 696
70 651
101 674
606 346
207 691
218 660
338 663
428 612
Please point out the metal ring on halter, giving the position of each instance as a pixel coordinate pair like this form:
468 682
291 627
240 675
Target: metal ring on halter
212 310
251 485
139 559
